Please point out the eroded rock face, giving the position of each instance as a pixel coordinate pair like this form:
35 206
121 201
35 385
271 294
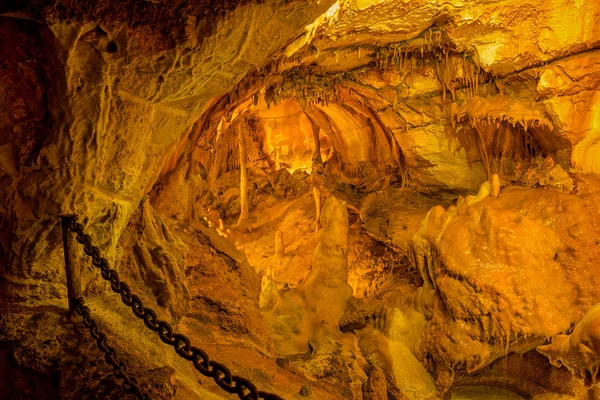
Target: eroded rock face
580 350
155 259
119 116
336 149
486 263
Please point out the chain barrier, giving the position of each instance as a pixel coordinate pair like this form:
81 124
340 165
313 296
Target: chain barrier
222 376
129 385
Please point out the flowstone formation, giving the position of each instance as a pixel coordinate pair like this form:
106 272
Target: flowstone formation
486 263
579 350
349 199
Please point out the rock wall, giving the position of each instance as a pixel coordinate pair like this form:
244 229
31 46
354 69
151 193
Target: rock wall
118 111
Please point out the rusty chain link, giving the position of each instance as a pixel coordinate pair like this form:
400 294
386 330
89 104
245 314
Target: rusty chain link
129 385
222 376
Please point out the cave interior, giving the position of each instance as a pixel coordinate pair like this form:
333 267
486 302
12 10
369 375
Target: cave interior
351 199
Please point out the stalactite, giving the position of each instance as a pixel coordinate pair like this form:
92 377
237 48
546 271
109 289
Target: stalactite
317 197
483 150
507 146
242 221
279 246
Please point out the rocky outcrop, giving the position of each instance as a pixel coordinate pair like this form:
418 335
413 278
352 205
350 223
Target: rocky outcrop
118 116
487 261
578 351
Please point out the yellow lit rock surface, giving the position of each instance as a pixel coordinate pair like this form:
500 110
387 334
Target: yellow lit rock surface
484 261
351 199
579 350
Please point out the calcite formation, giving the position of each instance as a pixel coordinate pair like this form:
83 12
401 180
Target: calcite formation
351 199
488 262
579 350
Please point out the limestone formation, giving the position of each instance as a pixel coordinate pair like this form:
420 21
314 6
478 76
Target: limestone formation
579 351
337 199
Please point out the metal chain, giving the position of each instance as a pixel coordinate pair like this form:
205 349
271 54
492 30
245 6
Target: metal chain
129 385
222 376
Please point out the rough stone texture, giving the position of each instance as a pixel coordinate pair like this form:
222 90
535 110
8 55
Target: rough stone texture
120 115
488 262
356 133
579 350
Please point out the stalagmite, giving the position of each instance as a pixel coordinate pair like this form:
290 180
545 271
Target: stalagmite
495 191
269 295
484 191
329 270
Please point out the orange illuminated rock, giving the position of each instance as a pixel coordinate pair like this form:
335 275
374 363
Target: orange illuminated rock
579 351
298 185
507 273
